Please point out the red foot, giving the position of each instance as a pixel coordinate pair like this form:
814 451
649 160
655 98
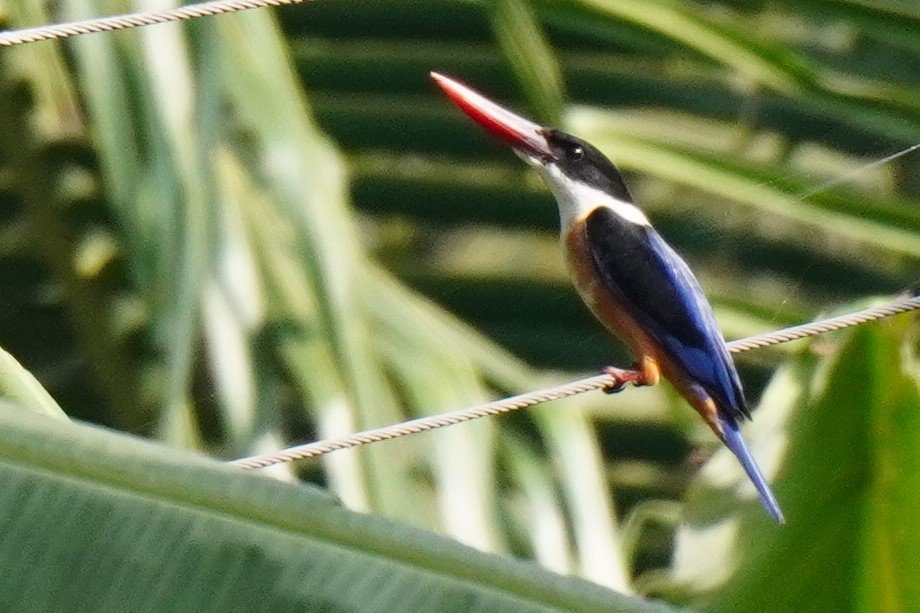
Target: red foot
622 377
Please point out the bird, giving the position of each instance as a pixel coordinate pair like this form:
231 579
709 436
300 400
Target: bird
633 281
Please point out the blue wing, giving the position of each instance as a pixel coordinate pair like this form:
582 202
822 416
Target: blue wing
662 293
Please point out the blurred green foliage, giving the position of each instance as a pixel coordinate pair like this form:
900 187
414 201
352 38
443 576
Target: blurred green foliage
231 236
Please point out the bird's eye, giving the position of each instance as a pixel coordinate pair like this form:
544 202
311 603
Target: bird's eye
576 153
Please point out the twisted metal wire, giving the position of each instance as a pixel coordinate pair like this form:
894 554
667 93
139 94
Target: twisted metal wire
133 20
903 305
522 401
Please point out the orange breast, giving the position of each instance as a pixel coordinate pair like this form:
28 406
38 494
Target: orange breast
605 306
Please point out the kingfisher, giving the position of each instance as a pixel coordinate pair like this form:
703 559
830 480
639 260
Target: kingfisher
634 282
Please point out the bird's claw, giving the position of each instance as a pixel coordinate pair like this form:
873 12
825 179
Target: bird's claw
640 380
615 388
621 377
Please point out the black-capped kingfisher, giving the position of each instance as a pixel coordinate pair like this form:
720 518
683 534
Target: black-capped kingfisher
629 277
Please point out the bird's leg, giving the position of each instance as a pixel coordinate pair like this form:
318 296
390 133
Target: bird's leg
650 371
706 407
643 372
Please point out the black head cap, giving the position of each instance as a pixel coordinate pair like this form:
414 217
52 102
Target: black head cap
583 162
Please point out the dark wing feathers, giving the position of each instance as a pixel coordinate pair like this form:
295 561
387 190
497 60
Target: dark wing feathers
661 292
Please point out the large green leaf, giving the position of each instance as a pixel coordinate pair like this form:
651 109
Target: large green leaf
18 386
93 520
846 428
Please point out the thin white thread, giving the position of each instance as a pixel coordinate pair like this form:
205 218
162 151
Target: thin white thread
133 20
850 174
856 171
522 401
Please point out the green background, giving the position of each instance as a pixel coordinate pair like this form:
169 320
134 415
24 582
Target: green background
251 231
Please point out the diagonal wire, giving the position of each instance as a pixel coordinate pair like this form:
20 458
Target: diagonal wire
522 401
133 20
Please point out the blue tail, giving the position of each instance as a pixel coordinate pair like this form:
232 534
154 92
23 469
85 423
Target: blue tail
734 442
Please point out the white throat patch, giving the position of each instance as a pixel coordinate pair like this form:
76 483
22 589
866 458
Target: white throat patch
576 200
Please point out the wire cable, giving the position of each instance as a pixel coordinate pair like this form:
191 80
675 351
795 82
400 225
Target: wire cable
522 401
133 20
